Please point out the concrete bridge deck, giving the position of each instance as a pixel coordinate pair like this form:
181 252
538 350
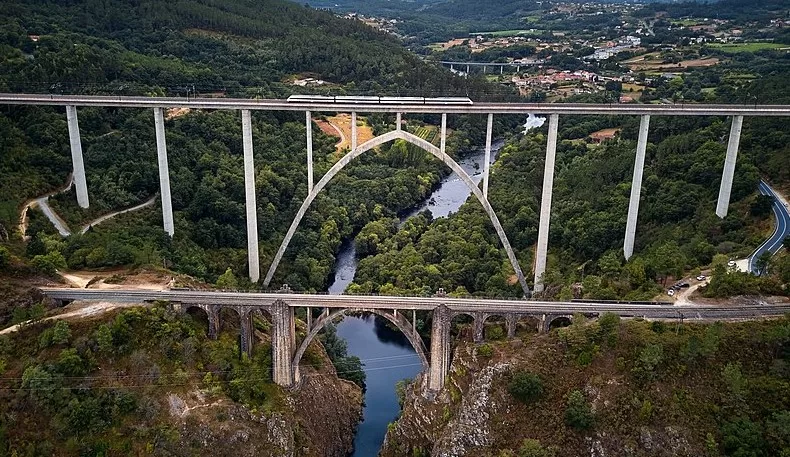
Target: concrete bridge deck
456 305
476 108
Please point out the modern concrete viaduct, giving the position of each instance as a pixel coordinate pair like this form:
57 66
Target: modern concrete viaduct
246 106
287 350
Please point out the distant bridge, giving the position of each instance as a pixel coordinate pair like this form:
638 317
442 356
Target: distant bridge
485 65
287 352
246 106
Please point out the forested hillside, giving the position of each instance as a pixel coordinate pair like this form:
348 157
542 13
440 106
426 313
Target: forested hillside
240 48
678 229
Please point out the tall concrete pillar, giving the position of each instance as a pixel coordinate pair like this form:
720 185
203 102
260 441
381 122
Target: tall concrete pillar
729 167
353 131
452 68
80 183
487 166
309 319
467 70
485 70
501 69
246 331
282 351
443 140
309 130
253 256
636 188
164 172
440 348
545 204
398 121
518 69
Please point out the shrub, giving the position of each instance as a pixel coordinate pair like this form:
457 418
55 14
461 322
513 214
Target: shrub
495 333
577 412
5 256
485 350
533 448
526 387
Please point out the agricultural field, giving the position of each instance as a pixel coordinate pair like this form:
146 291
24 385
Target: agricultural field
747 47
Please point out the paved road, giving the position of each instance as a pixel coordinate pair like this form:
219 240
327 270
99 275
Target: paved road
468 305
782 230
480 108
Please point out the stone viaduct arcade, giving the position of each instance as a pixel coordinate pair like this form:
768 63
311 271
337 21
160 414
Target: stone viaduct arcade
736 112
288 345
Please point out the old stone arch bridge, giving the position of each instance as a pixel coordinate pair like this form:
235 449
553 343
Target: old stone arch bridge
288 345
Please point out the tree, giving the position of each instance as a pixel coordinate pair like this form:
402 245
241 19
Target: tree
762 263
578 413
5 256
526 387
761 206
227 280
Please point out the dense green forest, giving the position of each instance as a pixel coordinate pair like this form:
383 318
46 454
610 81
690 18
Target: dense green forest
678 229
237 49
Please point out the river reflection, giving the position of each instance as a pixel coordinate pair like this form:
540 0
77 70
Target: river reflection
388 357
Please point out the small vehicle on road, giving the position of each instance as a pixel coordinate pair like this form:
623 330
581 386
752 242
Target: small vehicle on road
701 277
671 292
731 263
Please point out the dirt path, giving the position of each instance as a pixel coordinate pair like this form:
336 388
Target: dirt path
101 219
77 310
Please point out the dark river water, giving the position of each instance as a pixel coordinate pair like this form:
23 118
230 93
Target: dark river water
387 354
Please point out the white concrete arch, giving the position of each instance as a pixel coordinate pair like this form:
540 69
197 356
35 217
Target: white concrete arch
398 320
436 152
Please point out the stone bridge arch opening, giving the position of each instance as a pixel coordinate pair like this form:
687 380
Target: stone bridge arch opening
428 147
559 322
398 320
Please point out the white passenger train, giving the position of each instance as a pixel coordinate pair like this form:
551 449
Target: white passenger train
367 100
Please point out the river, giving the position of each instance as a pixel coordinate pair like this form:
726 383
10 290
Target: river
387 354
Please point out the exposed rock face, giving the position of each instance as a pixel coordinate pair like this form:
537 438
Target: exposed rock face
449 428
476 416
317 420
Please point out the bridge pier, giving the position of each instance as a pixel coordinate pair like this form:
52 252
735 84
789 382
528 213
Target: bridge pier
729 167
443 139
212 311
511 320
636 188
467 70
80 183
253 256
309 131
282 344
479 328
246 331
440 349
487 165
354 130
398 120
545 204
164 172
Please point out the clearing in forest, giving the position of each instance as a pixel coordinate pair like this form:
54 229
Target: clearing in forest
342 123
